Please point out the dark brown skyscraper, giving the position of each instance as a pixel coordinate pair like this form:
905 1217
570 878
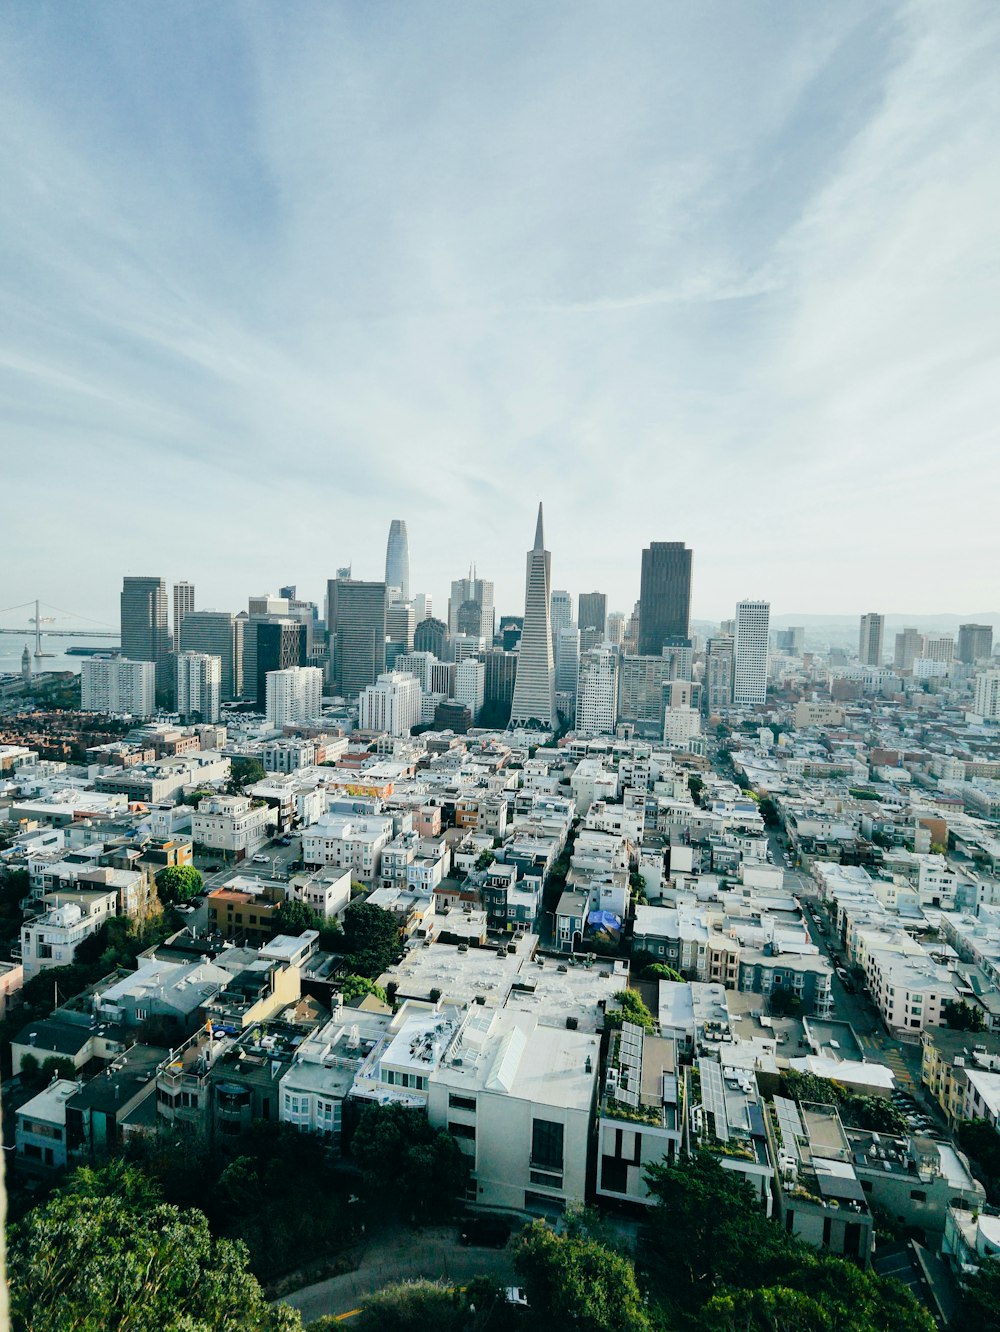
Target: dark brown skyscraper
145 631
664 596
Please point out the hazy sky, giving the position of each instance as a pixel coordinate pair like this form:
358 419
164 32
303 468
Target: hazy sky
273 274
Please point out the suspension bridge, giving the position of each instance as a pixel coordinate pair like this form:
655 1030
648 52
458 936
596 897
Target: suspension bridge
38 625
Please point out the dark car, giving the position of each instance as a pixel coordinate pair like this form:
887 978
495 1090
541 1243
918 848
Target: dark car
213 869
284 841
489 1232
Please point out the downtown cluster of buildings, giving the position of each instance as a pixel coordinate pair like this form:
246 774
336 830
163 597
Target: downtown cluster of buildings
547 807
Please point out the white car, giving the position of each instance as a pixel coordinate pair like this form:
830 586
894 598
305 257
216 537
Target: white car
260 860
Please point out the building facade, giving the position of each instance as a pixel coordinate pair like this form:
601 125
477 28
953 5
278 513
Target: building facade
534 703
750 653
113 684
664 596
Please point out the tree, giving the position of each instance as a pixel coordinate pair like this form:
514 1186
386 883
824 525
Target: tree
244 772
660 971
403 1158
105 1253
573 1281
484 860
179 883
356 987
371 938
293 916
696 785
784 1003
979 1310
961 1016
35 1076
630 1009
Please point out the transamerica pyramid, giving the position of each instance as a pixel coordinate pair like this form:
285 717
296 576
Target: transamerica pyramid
534 684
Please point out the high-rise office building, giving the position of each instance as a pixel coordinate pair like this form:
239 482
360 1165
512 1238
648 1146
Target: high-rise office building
144 625
908 646
293 694
419 664
560 610
790 640
430 635
356 628
183 605
281 646
718 680
615 629
470 686
397 560
220 634
390 705
199 685
461 646
470 620
870 639
116 685
938 647
510 631
475 589
534 687
498 694
597 692
750 653
975 642
288 592
664 596
400 624
423 606
640 691
592 612
567 658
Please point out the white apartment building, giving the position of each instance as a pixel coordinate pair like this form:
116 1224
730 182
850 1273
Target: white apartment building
232 824
199 685
348 841
470 685
391 704
909 991
987 704
597 692
50 940
115 684
750 652
680 724
293 695
518 1097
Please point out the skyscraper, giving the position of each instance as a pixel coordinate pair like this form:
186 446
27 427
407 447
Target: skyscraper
560 610
281 646
430 635
909 644
753 620
145 629
356 629
870 639
592 613
534 686
292 695
597 692
975 642
397 560
664 596
718 679
475 589
183 605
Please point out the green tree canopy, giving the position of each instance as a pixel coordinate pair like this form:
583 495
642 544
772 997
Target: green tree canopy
630 1009
402 1157
104 1254
962 1016
573 1281
371 938
293 916
245 771
979 1310
356 987
179 883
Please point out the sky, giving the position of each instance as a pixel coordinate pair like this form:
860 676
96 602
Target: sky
273 275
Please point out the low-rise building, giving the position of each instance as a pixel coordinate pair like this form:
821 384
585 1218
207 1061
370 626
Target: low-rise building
233 825
40 1127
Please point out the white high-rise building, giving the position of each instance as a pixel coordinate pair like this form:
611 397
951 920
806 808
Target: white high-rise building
183 605
597 692
753 619
418 664
199 685
534 685
560 610
391 704
987 703
115 684
423 606
470 685
292 695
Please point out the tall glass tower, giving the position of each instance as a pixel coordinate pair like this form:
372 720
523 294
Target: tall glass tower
534 685
664 596
397 559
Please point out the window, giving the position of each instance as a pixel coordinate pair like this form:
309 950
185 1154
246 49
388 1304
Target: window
918 1195
462 1131
547 1144
461 1102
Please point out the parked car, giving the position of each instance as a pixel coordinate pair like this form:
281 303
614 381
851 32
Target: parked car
259 860
214 869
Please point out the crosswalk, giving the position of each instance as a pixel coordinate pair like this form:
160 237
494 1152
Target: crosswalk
899 1066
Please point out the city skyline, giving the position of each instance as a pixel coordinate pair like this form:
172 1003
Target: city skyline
778 298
